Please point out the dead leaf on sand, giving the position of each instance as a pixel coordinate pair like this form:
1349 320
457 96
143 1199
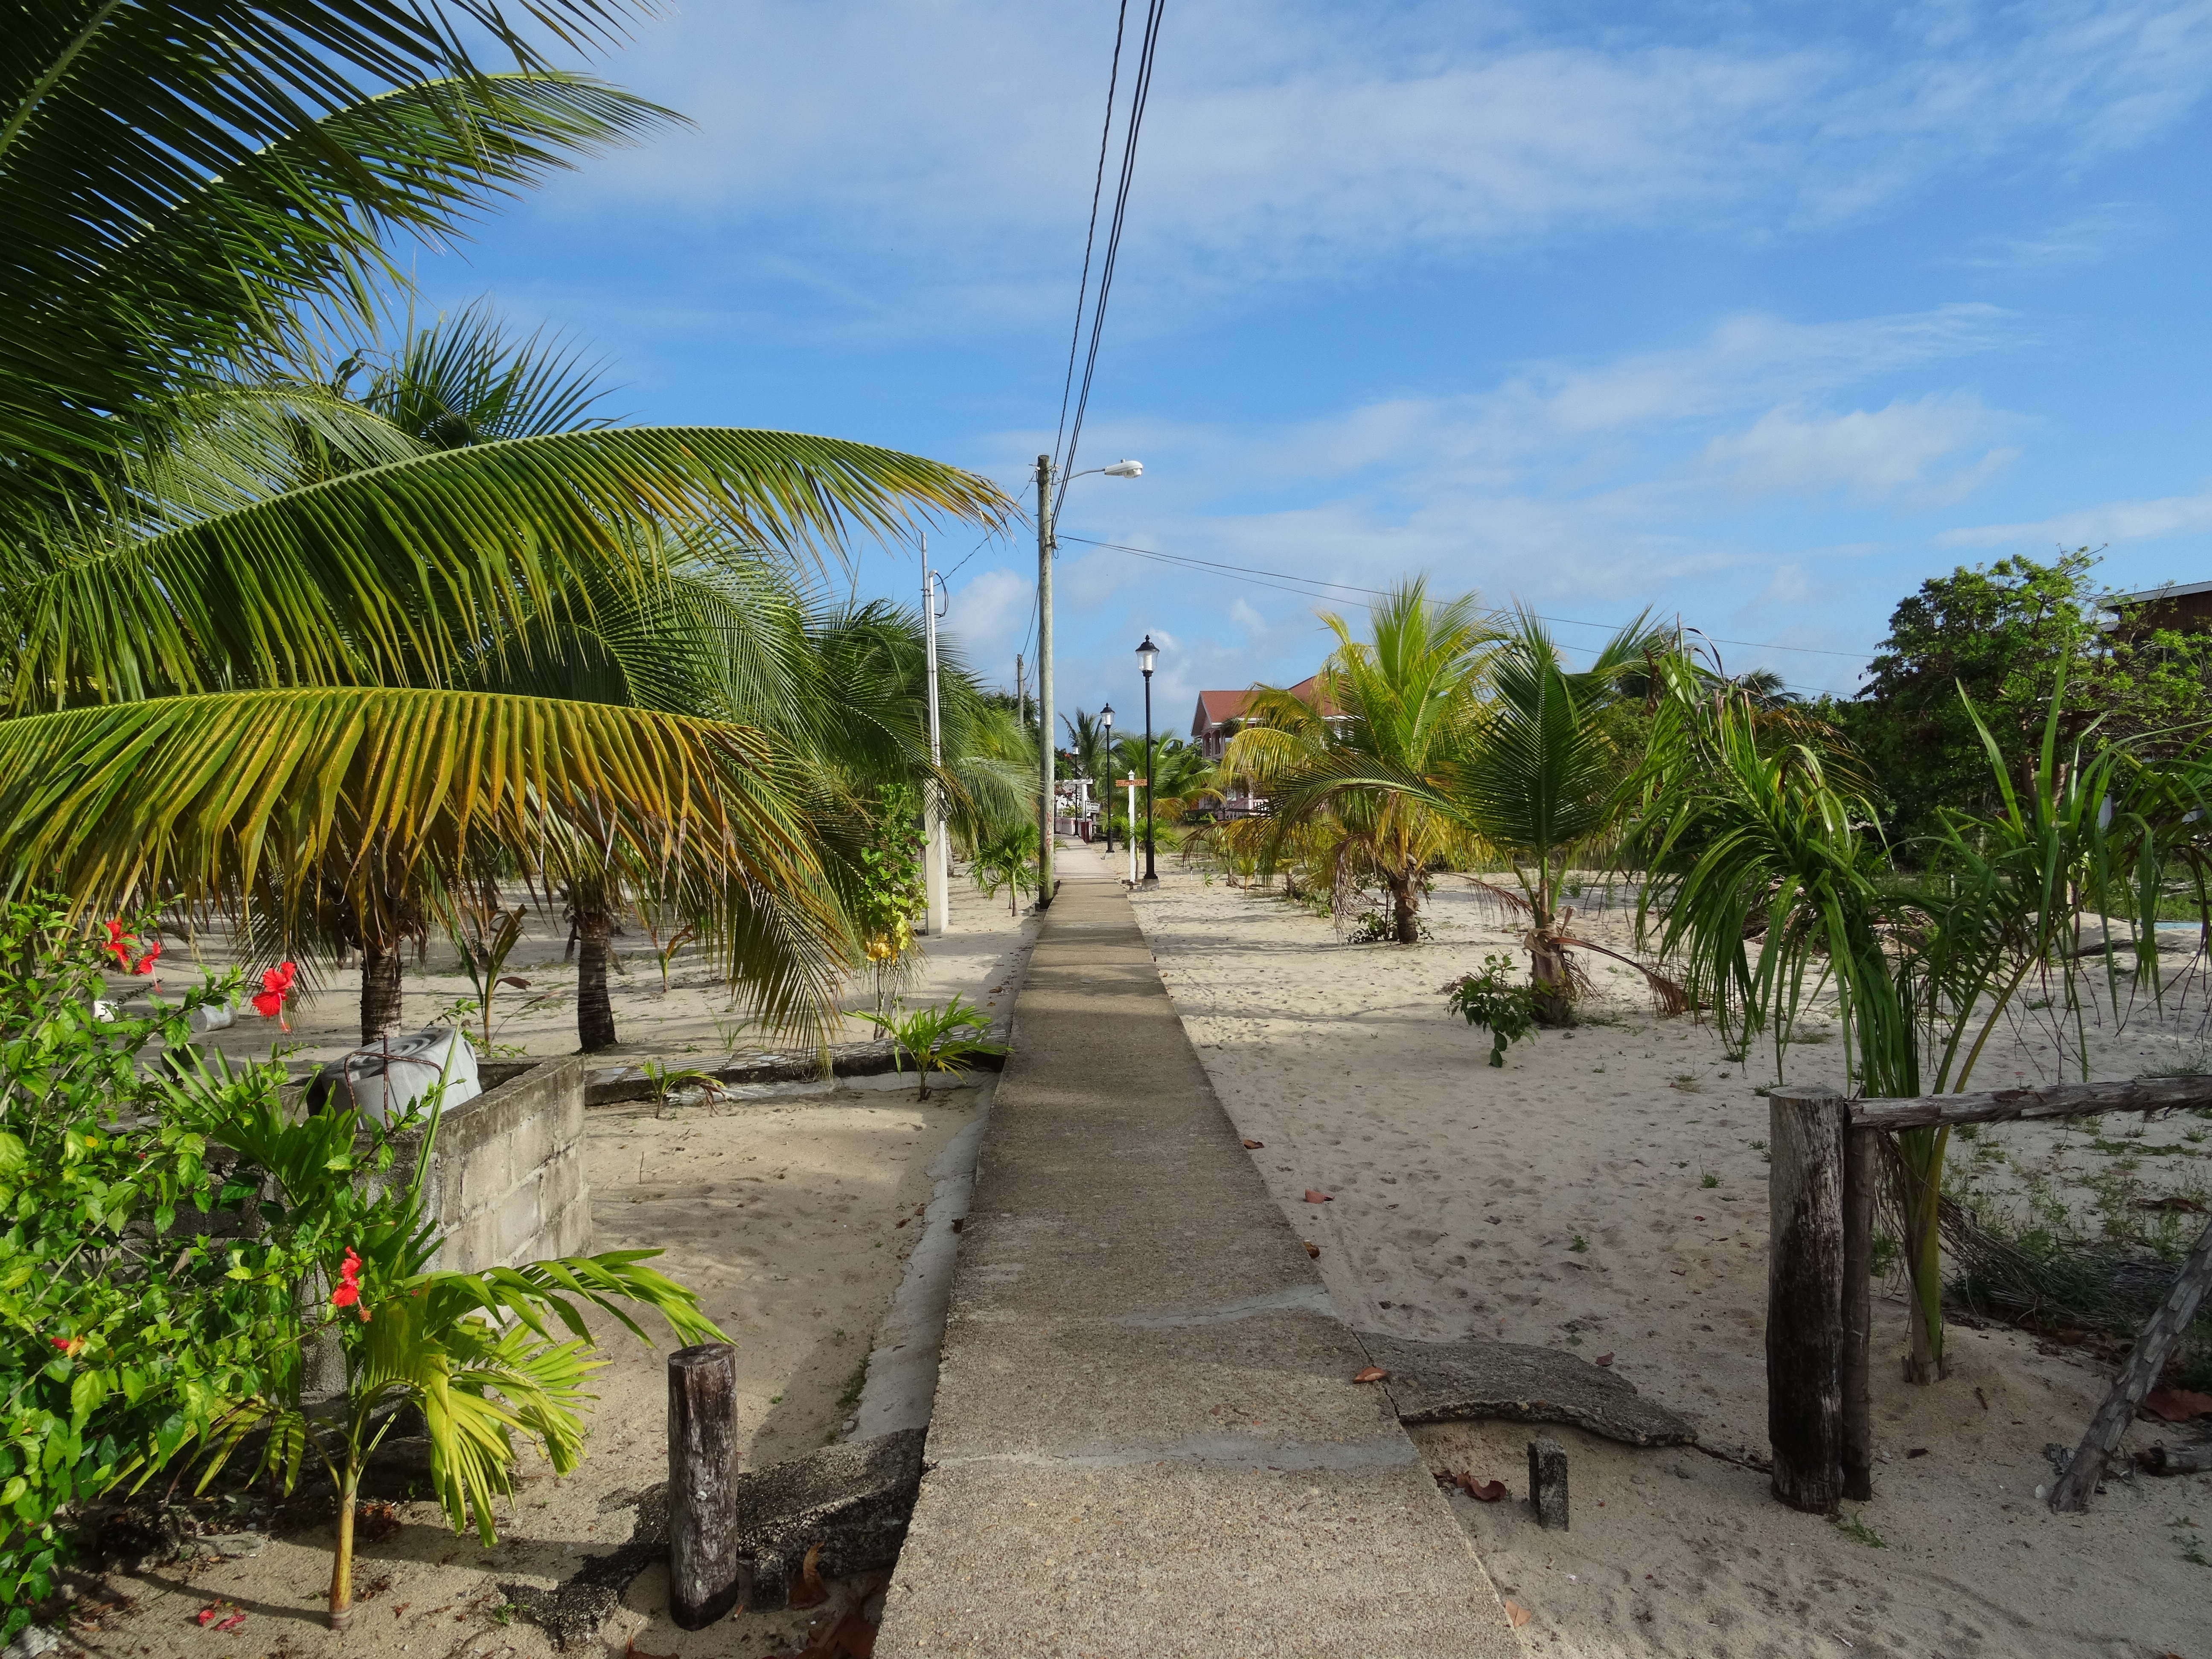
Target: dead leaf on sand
1312 1197
1483 1491
1312 1249
1254 1146
1602 1359
1371 1374
1515 1615
2177 1405
810 1591
633 1651
373 1523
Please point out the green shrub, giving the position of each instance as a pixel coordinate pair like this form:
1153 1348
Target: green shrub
1495 1001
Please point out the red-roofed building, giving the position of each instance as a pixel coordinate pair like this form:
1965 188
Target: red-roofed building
1212 726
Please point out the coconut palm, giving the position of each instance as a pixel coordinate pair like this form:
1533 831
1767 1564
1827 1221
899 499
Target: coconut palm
234 657
1542 779
1389 719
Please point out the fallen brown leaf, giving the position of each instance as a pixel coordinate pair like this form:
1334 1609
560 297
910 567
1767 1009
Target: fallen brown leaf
959 1222
1602 1359
810 1591
1312 1249
2177 1405
904 1219
2171 1202
374 1523
1312 1197
1917 1451
1254 1146
515 980
1370 1374
1515 1615
634 1651
1483 1491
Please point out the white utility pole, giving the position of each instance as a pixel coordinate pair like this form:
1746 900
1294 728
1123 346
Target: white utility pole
936 851
1044 679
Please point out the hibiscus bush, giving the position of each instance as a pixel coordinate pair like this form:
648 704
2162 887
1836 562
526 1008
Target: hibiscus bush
134 1299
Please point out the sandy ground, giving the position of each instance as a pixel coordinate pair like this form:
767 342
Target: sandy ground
689 1019
792 1213
1606 1191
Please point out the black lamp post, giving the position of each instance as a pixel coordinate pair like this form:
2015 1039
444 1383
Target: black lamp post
1147 654
1106 719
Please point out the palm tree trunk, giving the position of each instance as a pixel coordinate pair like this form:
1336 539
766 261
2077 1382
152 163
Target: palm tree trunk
1405 902
341 1563
595 1012
1548 971
379 990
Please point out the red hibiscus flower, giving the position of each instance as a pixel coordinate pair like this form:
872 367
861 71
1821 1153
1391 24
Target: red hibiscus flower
115 946
69 1345
276 987
348 1294
145 964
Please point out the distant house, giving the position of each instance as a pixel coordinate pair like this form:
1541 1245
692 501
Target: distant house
2182 608
1221 713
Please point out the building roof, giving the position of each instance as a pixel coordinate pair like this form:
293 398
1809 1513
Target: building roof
1217 707
2170 591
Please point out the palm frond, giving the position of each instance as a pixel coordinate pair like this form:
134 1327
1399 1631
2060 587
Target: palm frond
396 571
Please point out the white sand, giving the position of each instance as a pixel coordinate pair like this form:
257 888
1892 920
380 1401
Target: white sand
1604 1192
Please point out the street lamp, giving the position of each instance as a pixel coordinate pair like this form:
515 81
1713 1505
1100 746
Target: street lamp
1147 654
1106 719
1124 469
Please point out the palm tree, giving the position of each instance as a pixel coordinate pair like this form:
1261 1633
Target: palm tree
262 677
1089 743
1750 838
1543 778
1389 718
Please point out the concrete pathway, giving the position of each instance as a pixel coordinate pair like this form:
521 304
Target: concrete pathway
1146 1441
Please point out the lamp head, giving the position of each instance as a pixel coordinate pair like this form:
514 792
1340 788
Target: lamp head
1147 654
1106 717
1124 469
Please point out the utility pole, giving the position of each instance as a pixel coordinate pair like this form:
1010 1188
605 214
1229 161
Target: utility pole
935 873
1044 679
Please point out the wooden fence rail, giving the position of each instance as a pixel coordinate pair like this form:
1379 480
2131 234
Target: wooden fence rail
1820 1192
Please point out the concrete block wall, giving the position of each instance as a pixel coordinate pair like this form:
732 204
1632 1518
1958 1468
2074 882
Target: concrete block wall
506 1181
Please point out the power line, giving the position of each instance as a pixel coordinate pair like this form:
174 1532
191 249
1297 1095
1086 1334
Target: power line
1308 583
1090 236
1139 94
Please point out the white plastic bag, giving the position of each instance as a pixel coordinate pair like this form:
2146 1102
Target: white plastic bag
388 1082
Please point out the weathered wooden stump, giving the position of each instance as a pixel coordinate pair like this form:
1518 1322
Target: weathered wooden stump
1547 1484
1805 1279
704 1581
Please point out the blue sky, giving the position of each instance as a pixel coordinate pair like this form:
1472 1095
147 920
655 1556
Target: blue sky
1759 315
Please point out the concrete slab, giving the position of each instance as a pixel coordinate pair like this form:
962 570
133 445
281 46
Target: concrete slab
1146 1439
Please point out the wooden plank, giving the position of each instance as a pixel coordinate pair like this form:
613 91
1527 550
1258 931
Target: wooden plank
2153 1343
1860 1166
2142 1094
1805 1296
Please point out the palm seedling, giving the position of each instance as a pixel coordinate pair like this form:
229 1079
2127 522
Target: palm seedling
936 1039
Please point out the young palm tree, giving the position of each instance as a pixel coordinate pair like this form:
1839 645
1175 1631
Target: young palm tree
1542 779
1391 718
1750 838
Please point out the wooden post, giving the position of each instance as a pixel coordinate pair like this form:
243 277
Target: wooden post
703 1578
1805 1296
2153 1343
1861 1166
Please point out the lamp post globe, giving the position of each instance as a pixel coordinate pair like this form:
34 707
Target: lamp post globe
1148 655
1106 720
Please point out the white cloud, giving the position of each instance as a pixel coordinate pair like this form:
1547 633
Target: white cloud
932 162
2094 526
2104 232
1910 452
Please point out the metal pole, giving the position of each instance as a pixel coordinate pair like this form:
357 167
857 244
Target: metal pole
1152 875
1133 829
1044 680
934 874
